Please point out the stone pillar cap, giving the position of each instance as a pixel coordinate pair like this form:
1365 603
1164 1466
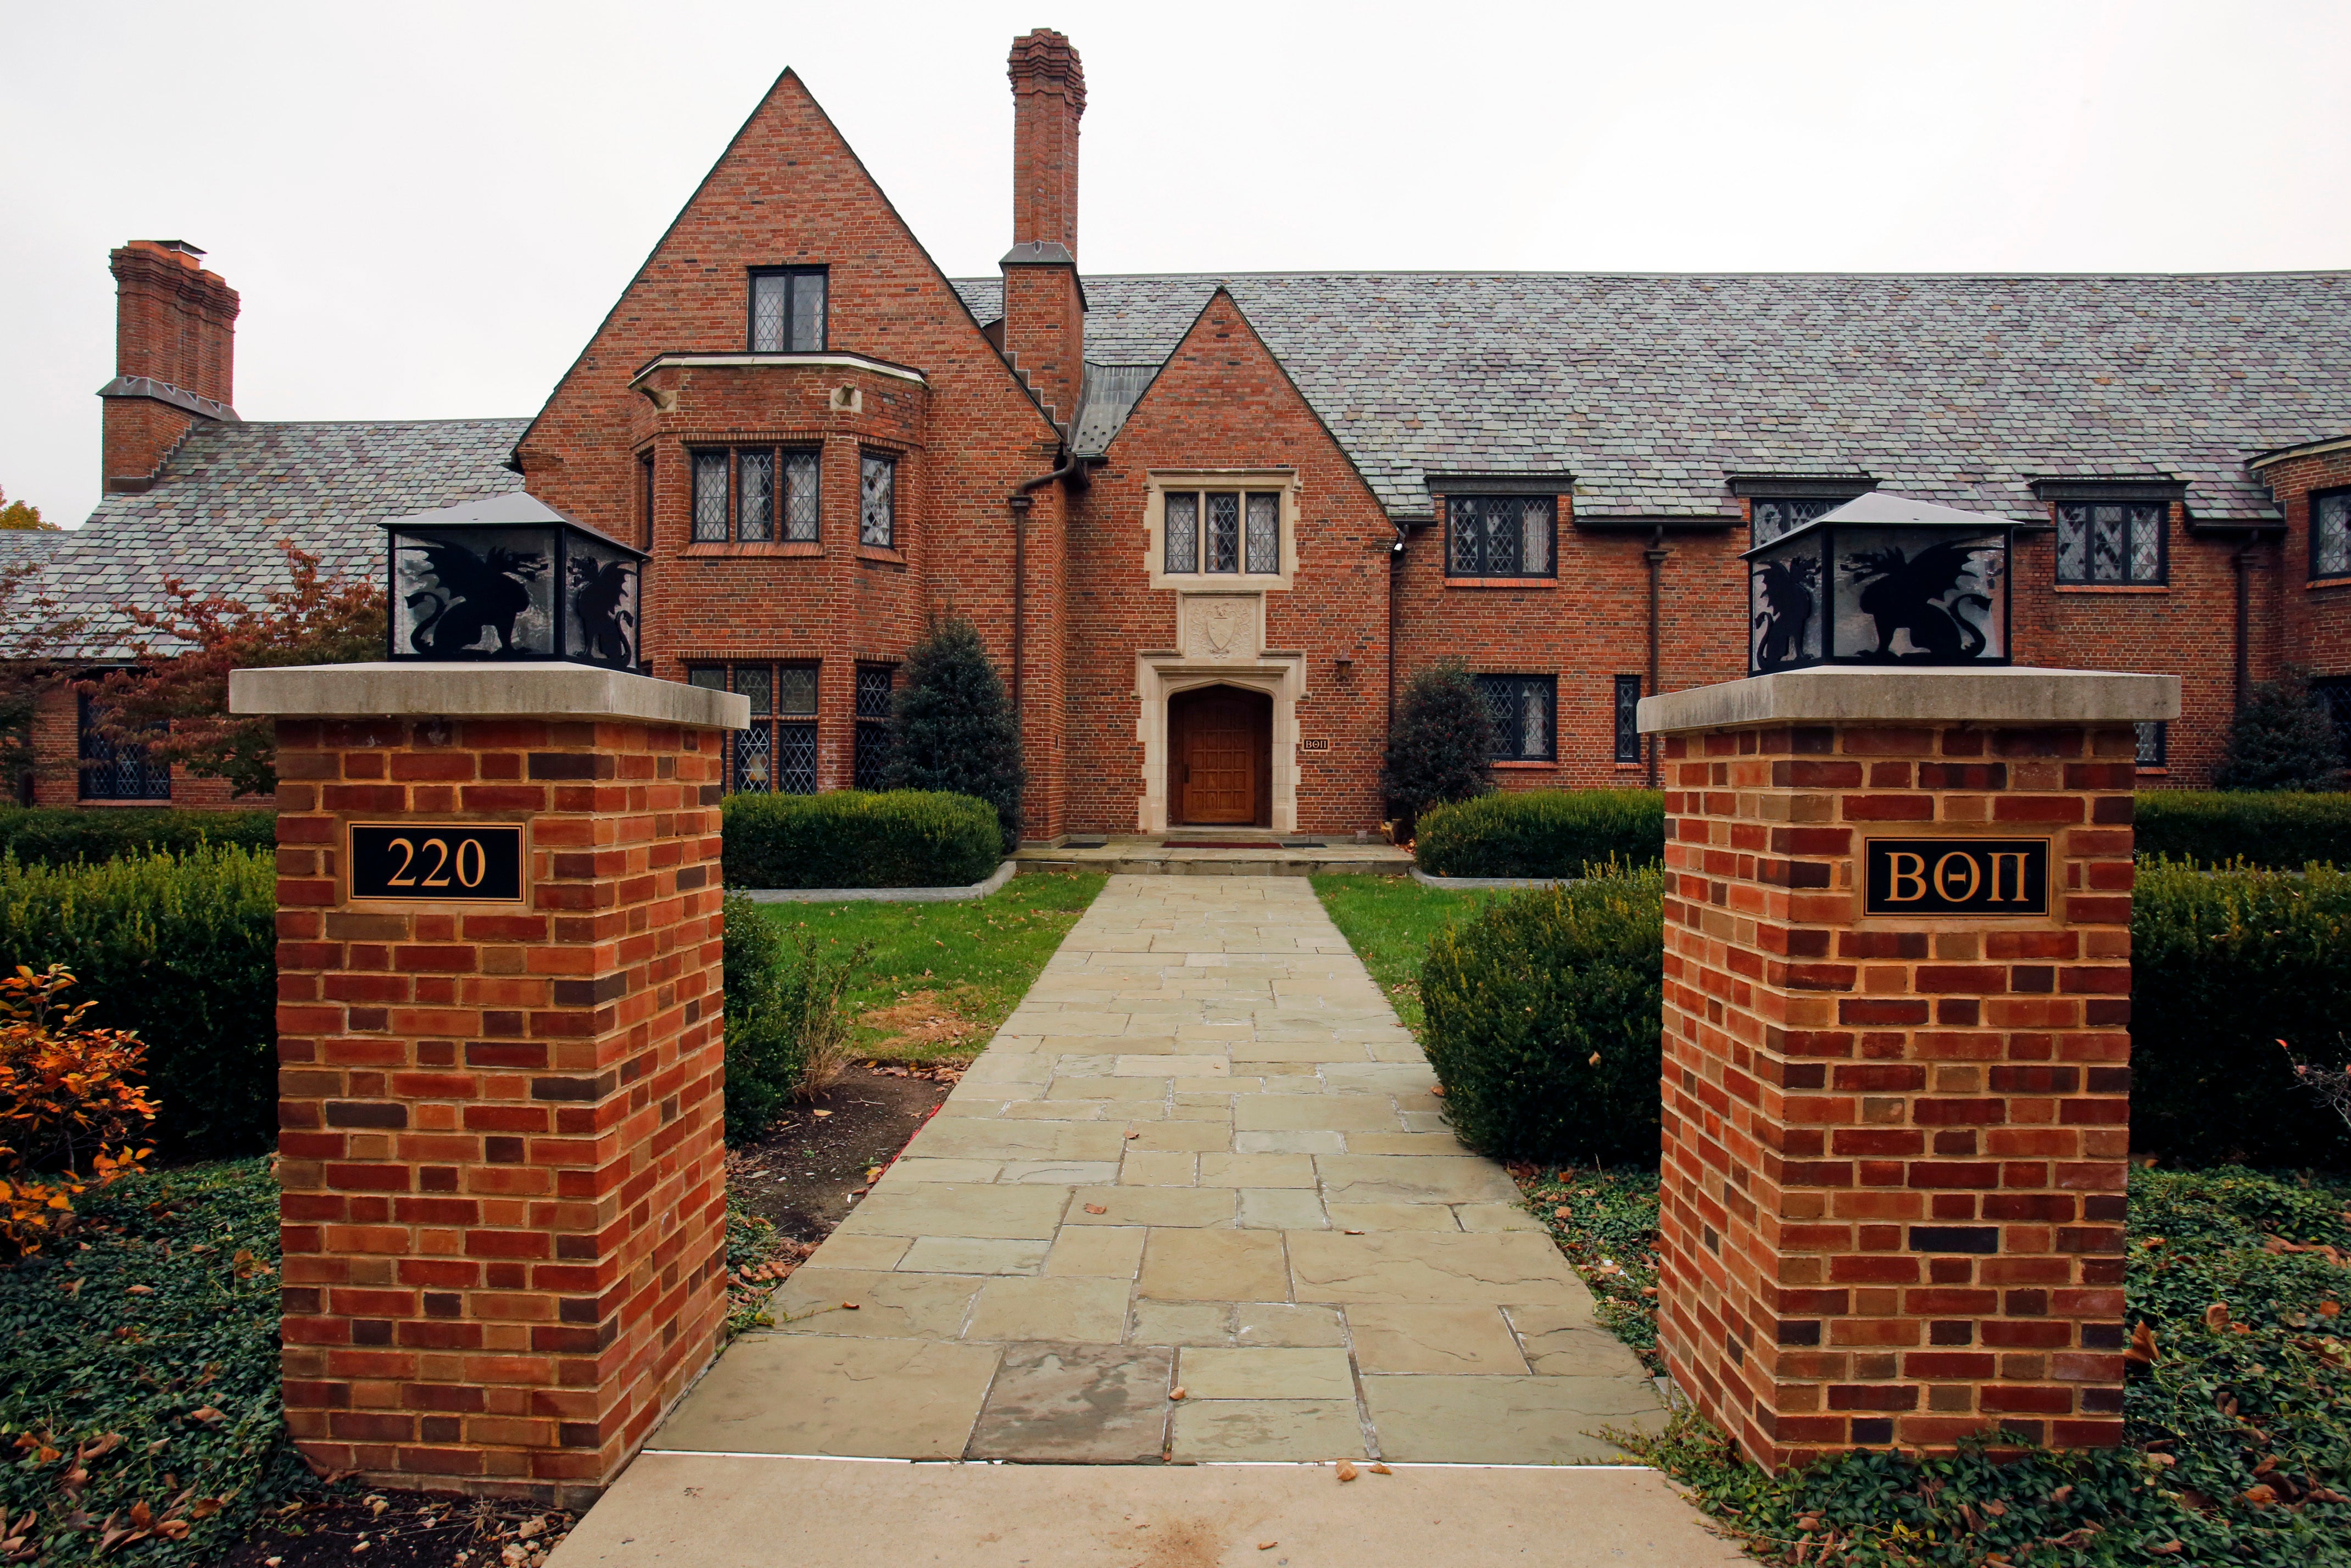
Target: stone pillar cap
551 690
1892 694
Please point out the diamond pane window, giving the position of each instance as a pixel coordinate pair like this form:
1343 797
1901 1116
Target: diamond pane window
755 758
801 471
2330 534
1183 531
117 769
796 758
779 751
1881 578
1224 531
874 684
1499 536
796 690
1628 718
1775 514
877 515
2154 739
1264 533
710 497
755 496
2110 542
757 683
788 311
1522 707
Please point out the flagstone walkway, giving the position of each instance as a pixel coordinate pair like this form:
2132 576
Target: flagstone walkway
1201 1156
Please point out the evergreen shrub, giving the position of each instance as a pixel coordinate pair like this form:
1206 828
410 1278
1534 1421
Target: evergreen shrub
856 838
54 835
2226 964
787 1032
2282 738
2285 829
1541 833
183 950
1542 1021
1441 747
952 727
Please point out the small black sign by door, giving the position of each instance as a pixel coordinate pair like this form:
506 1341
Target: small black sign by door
474 861
1955 877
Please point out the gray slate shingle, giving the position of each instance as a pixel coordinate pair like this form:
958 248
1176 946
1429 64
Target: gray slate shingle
1650 388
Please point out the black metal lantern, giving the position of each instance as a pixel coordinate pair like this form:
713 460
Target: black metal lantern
1881 579
510 577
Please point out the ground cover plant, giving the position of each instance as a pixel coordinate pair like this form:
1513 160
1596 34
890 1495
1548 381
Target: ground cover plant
1388 921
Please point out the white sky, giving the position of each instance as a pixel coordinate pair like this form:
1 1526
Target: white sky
427 207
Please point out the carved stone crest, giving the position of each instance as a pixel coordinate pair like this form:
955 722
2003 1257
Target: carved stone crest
1220 627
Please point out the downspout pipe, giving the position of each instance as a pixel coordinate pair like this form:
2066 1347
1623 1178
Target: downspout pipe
1655 557
2243 562
1020 500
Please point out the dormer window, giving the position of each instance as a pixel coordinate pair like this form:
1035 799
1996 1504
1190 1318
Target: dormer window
2110 543
1499 536
788 311
1777 515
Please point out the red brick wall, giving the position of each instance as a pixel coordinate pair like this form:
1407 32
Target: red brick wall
56 766
499 1129
1893 1150
174 323
2316 617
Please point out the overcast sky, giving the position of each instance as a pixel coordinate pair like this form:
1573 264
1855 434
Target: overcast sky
428 207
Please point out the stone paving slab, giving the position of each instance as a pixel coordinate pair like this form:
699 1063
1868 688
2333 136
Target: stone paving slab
1201 1154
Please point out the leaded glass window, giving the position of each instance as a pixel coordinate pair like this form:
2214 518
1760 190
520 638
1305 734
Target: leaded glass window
801 472
1183 531
117 769
710 497
2154 741
796 690
755 496
778 752
875 685
796 757
1499 536
2104 542
1265 533
1773 515
788 311
1628 718
1523 708
2330 534
1224 531
877 507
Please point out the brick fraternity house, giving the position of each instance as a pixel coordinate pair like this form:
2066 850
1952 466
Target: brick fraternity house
1210 524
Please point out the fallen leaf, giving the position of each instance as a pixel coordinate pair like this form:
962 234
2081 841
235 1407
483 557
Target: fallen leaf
1134 1132
2216 1316
2061 1494
822 1112
1595 1060
1097 1209
1177 1393
2261 1496
2168 1548
1438 1091
2329 1309
207 1415
1351 1233
1347 1472
138 1290
2142 1346
849 1306
1381 1470
1267 1545
1562 1212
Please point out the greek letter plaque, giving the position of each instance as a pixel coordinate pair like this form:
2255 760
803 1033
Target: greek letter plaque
1955 876
476 863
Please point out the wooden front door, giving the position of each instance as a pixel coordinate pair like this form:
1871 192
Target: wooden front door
1220 741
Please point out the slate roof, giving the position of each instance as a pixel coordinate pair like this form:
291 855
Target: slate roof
1651 388
230 492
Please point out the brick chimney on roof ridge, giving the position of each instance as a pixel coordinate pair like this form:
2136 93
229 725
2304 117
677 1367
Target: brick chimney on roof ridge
1044 305
175 357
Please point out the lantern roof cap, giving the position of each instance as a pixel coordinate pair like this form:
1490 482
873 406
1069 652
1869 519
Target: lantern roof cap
1883 508
516 509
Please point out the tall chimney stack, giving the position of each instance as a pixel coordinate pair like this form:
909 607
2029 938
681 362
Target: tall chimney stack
1044 304
175 357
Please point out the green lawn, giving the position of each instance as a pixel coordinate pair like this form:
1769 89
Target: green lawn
943 975
1388 921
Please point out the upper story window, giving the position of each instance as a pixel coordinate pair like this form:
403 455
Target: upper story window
1501 536
788 311
1771 516
1235 531
754 495
2330 533
877 504
1523 708
2110 543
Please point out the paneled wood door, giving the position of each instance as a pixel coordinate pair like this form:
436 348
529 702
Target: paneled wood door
1220 741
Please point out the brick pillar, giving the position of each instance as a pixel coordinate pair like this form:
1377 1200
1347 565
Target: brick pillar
1895 1145
499 1129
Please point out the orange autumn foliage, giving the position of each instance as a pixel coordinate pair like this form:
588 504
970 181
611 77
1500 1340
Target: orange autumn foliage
72 1110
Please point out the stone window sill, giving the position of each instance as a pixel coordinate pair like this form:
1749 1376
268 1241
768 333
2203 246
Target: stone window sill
707 552
2114 588
1522 764
1501 582
2319 582
876 552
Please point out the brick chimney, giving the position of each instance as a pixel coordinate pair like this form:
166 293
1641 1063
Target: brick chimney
1044 304
174 354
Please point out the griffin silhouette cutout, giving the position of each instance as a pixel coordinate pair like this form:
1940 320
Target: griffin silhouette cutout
477 593
1788 605
600 594
1921 594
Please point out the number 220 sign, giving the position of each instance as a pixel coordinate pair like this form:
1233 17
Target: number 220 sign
441 862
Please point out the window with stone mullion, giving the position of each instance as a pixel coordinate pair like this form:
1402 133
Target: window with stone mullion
1499 536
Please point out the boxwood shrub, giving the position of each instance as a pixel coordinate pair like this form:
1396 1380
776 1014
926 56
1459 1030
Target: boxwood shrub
1542 1021
854 838
2260 827
183 949
2225 964
55 835
1541 833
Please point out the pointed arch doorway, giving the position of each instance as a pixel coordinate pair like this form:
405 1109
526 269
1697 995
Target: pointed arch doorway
1220 757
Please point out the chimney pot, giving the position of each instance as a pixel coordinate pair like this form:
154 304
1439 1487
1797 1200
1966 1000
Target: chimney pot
175 357
1043 329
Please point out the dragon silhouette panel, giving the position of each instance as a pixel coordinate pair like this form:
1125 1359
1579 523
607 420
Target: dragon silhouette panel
486 593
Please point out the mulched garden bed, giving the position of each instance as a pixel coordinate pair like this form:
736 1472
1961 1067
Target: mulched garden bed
403 1529
806 1174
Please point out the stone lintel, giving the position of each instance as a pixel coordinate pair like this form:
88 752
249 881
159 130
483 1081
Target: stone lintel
386 689
2008 695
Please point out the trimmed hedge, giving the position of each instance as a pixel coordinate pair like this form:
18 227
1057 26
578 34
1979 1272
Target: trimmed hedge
183 949
2267 828
58 835
1541 833
1542 1021
854 838
2225 964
